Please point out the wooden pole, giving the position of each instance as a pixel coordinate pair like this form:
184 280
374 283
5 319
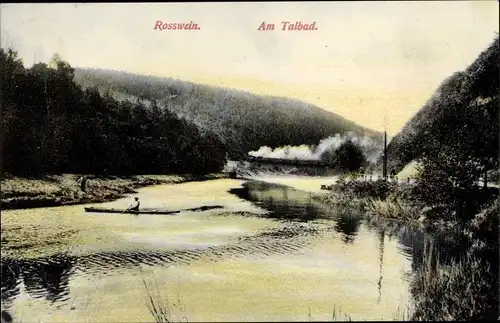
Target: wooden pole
384 170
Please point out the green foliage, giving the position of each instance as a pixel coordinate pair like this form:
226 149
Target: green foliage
455 138
460 119
485 225
449 180
348 156
243 121
379 189
393 208
464 290
51 125
381 198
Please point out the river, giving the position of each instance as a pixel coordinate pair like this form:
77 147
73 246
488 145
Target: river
262 252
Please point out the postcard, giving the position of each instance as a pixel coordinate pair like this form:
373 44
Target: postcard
249 161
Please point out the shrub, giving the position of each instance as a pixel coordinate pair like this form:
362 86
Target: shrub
486 223
378 189
348 156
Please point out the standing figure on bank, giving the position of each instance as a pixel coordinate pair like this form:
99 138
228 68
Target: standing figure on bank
82 181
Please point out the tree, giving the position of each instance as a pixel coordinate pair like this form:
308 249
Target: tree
461 142
348 156
12 71
51 125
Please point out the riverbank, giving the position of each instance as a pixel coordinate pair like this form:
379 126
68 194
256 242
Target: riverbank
311 184
393 200
58 190
439 290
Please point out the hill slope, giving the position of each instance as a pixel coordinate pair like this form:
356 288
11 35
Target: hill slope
242 120
464 106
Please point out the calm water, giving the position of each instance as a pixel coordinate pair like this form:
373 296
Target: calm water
266 252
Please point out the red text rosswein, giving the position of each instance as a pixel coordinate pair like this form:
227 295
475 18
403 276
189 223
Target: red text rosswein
160 25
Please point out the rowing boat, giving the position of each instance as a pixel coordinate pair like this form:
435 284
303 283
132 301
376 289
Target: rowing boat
106 210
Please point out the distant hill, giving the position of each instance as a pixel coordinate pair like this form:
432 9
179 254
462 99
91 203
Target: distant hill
465 105
243 121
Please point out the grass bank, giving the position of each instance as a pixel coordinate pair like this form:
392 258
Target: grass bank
460 290
379 199
58 190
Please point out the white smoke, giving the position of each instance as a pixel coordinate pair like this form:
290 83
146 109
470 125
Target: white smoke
371 148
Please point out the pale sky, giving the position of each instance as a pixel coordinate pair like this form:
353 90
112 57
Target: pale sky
366 59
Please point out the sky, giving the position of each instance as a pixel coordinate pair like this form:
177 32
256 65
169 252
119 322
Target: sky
374 63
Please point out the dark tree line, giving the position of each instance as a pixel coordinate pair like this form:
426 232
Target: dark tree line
52 125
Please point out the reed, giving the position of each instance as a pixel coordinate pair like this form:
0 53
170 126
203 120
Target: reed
339 316
393 209
401 314
159 306
464 290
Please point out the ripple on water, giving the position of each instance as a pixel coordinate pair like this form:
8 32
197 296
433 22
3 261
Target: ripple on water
286 255
48 277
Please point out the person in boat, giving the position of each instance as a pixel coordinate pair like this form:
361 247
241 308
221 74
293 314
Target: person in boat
135 205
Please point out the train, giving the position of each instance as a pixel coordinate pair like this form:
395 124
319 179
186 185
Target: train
290 162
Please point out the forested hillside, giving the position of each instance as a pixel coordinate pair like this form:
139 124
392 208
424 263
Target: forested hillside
462 116
52 125
244 121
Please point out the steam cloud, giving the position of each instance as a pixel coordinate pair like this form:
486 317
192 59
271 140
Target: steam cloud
371 148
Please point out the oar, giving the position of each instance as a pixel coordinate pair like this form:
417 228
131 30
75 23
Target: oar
127 209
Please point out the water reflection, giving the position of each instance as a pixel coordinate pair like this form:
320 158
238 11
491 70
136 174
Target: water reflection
283 202
381 258
11 272
414 241
47 278
348 225
6 317
287 203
